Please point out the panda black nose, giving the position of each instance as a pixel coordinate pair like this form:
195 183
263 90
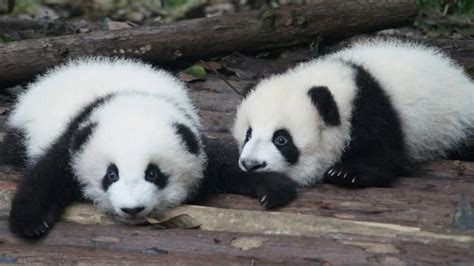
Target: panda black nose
252 165
133 211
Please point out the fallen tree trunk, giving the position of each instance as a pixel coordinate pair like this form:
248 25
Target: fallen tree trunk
248 31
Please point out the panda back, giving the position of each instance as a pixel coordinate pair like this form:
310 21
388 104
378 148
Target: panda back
432 95
44 111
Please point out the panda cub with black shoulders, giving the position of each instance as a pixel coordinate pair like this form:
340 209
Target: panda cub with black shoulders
127 131
116 132
356 117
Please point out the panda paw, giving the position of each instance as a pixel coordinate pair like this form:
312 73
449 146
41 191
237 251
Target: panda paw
278 192
341 175
30 222
275 198
359 175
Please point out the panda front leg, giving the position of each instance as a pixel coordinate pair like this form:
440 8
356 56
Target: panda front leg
45 190
362 172
272 189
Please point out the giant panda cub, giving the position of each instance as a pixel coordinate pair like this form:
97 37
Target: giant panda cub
357 117
116 132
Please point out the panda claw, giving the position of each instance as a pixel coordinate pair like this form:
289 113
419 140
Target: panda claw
353 180
345 175
45 225
264 198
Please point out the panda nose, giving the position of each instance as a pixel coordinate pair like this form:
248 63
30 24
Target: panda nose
132 211
252 165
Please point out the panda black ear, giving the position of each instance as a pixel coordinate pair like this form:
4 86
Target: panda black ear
81 136
326 105
188 137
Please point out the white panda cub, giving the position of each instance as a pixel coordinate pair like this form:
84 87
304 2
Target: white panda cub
356 117
121 134
127 132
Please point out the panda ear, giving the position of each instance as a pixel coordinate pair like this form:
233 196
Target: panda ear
322 98
81 136
188 138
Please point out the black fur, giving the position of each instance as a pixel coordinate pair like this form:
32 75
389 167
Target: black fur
464 151
13 149
188 137
48 186
154 175
324 102
376 152
81 136
248 136
223 175
289 151
111 176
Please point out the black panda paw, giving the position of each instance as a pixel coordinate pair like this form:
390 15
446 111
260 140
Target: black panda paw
30 222
278 192
342 175
359 175
276 198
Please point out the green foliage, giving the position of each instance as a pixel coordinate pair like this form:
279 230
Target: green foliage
456 7
196 71
446 18
174 3
25 7
5 38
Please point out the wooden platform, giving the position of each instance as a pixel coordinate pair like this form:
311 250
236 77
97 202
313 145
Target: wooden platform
407 224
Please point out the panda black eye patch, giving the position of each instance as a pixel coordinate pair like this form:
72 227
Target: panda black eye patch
248 135
154 175
111 176
284 143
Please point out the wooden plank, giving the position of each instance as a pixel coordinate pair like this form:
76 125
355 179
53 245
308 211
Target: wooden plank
59 255
234 247
413 201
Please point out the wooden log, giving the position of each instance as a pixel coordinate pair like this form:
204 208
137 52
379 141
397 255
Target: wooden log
413 202
249 236
60 255
247 31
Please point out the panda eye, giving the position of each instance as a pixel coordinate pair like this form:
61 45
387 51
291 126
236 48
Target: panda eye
151 173
112 173
281 140
248 135
155 176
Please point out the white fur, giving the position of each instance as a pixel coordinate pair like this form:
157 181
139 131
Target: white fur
433 96
134 128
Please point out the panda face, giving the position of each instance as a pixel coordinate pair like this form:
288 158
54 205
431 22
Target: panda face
278 131
291 124
261 151
135 163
